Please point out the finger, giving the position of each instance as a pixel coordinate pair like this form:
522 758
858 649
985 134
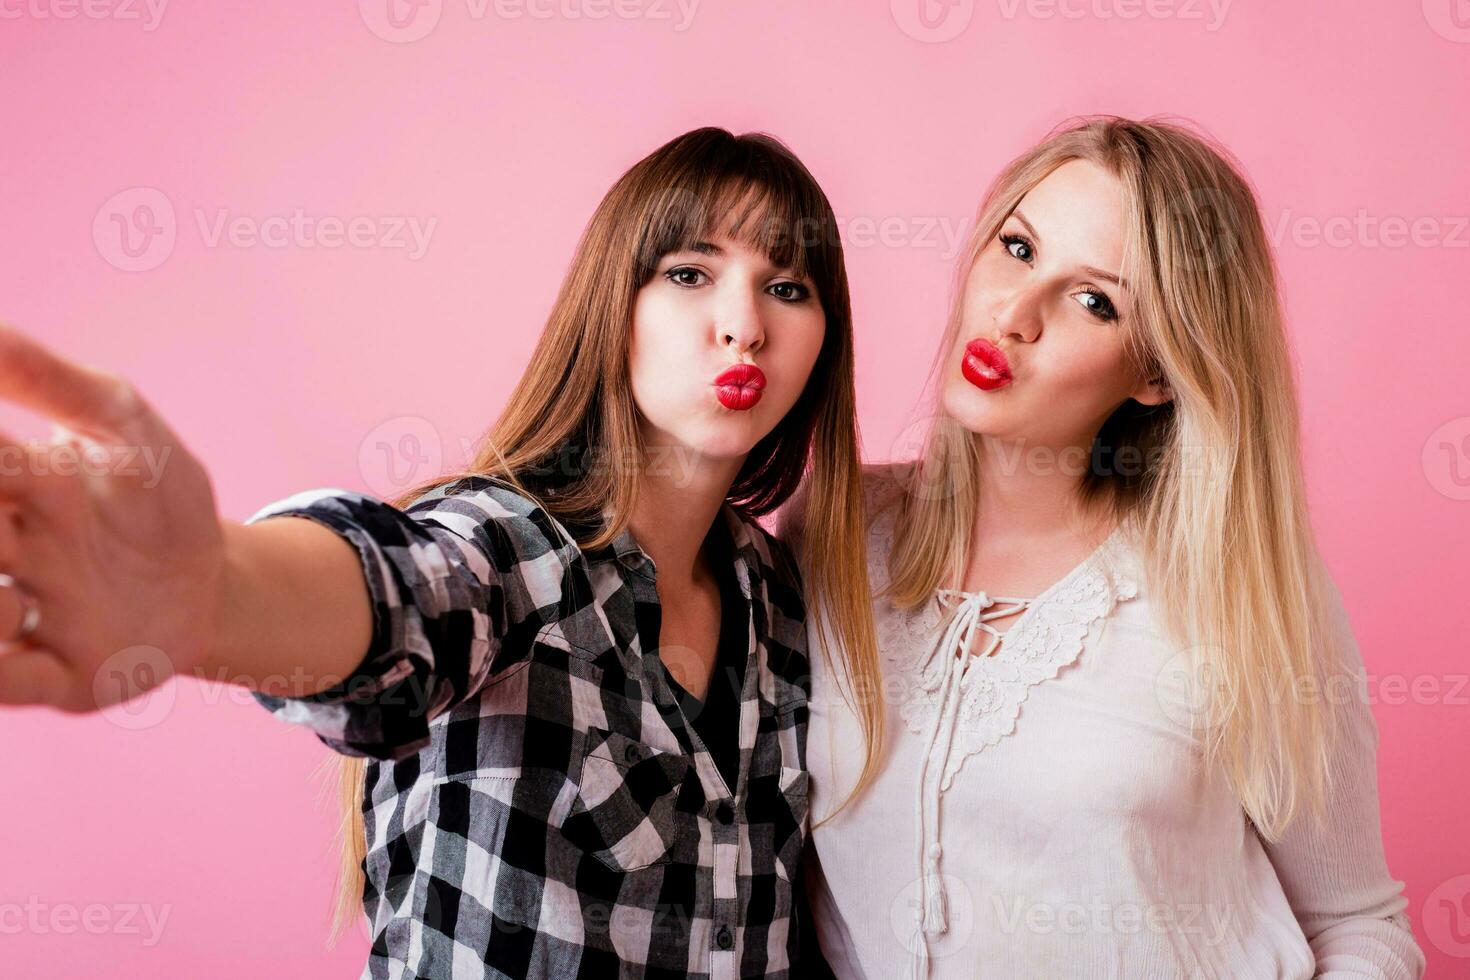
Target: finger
84 399
9 536
38 480
32 675
17 475
13 608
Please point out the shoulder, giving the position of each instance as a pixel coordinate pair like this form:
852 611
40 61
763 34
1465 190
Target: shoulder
884 485
881 486
475 502
885 488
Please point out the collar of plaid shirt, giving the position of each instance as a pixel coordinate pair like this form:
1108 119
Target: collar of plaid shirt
752 567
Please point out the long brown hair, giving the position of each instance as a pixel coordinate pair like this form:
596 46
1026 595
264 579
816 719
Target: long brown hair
575 394
1218 502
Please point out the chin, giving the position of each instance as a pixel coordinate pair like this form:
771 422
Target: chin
713 439
972 408
724 445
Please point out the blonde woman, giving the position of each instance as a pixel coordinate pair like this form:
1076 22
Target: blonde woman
1124 729
572 678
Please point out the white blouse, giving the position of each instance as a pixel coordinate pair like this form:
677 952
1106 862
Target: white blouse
1042 812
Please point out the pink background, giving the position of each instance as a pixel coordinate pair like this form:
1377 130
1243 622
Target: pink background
290 366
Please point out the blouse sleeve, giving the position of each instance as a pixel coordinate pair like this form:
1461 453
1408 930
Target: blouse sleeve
448 576
1334 872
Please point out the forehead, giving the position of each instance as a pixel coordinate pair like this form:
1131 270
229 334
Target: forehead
1078 213
748 223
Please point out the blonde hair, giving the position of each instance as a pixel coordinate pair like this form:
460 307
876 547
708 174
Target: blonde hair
1217 503
673 197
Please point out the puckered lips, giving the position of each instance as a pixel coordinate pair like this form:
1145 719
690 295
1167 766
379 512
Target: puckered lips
740 387
985 366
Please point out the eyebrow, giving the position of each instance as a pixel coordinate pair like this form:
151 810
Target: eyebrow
710 248
1091 270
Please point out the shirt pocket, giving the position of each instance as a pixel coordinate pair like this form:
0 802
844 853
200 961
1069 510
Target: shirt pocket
791 827
627 815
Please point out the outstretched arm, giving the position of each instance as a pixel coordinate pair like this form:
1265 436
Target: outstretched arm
338 600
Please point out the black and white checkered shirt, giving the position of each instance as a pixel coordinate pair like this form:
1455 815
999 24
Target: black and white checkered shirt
539 804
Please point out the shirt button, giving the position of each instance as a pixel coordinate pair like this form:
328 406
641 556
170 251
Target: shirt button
723 938
724 813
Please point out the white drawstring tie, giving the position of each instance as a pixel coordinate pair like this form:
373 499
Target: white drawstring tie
951 656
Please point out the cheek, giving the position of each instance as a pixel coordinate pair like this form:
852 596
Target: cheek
665 332
1081 357
657 348
809 334
801 346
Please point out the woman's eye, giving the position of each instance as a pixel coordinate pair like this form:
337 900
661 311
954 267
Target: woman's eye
792 292
1018 246
684 275
1098 305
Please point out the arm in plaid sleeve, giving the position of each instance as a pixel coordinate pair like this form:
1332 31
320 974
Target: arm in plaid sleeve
447 576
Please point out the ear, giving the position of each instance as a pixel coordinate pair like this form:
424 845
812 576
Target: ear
1155 391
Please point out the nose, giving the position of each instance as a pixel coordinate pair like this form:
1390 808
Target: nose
1019 315
738 322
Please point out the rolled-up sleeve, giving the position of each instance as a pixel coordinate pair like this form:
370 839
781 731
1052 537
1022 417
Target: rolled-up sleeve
447 577
1333 872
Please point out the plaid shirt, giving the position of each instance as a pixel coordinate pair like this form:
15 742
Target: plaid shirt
538 802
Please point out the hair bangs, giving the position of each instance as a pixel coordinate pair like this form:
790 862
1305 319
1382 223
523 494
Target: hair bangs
765 212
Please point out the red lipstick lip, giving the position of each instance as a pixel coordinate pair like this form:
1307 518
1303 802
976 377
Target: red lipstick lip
985 365
743 375
740 387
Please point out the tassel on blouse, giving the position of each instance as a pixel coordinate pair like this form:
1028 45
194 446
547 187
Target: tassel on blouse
919 965
936 912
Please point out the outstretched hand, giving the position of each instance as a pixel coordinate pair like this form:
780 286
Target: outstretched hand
122 560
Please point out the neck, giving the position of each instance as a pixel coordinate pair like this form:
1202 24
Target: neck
1028 494
674 514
